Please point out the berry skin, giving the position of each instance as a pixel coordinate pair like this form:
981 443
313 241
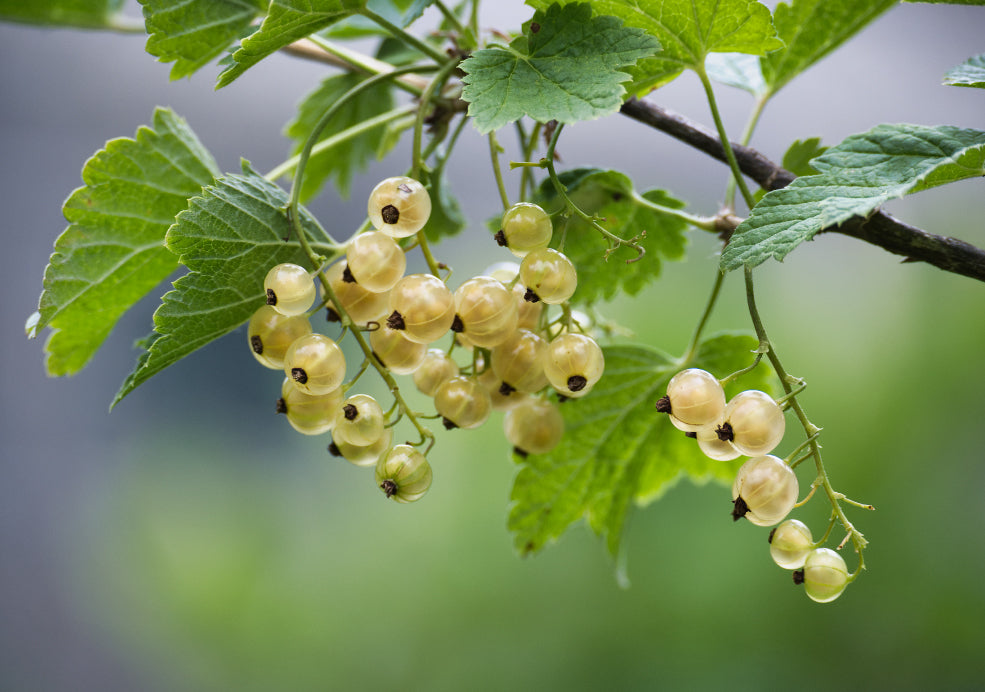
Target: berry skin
491 382
825 575
695 400
365 455
764 491
315 364
713 447
399 206
573 365
309 415
526 227
395 351
548 276
359 421
423 308
290 289
362 305
486 310
534 426
271 333
436 368
519 362
375 261
528 313
790 544
754 423
462 403
404 474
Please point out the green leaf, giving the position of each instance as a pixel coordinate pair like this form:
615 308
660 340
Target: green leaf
798 158
113 253
190 33
617 449
857 176
88 14
564 67
400 13
228 237
609 194
286 21
970 73
446 218
736 70
947 2
343 160
813 28
689 30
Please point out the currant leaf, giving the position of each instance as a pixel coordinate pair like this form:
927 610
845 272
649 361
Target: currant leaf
688 30
565 67
190 33
856 177
970 73
446 217
112 253
738 70
286 21
948 2
400 13
617 449
228 237
87 14
799 155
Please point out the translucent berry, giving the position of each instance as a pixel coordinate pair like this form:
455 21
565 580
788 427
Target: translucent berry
548 276
436 368
503 398
528 313
754 423
423 307
359 421
361 304
375 261
364 455
399 206
308 414
315 364
764 491
525 227
695 400
400 355
462 403
519 362
271 333
404 474
713 447
290 289
574 363
534 426
825 575
790 543
486 310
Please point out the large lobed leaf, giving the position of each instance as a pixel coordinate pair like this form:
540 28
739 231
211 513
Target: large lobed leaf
112 254
970 73
856 177
688 30
190 33
617 449
286 21
565 67
88 14
400 13
608 194
228 237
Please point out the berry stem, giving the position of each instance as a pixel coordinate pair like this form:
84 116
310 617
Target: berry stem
494 151
452 18
705 223
528 146
723 136
757 111
692 348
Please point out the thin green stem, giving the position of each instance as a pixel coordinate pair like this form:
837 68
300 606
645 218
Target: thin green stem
757 111
526 174
422 240
363 63
723 136
692 347
455 22
439 79
401 35
474 19
494 151
705 223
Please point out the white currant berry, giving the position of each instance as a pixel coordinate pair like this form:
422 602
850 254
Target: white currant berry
764 491
375 261
548 275
290 289
436 368
423 307
528 313
309 414
695 400
315 364
713 447
399 206
363 455
825 575
525 227
501 401
754 423
404 474
462 403
574 363
271 333
400 355
790 543
485 310
519 362
534 426
360 421
362 305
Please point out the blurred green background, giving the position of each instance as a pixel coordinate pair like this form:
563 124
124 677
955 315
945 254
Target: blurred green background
191 541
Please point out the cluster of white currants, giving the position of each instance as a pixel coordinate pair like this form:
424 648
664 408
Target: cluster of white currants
516 355
765 489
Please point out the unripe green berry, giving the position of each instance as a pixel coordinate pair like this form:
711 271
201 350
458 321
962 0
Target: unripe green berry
404 474
825 575
790 543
